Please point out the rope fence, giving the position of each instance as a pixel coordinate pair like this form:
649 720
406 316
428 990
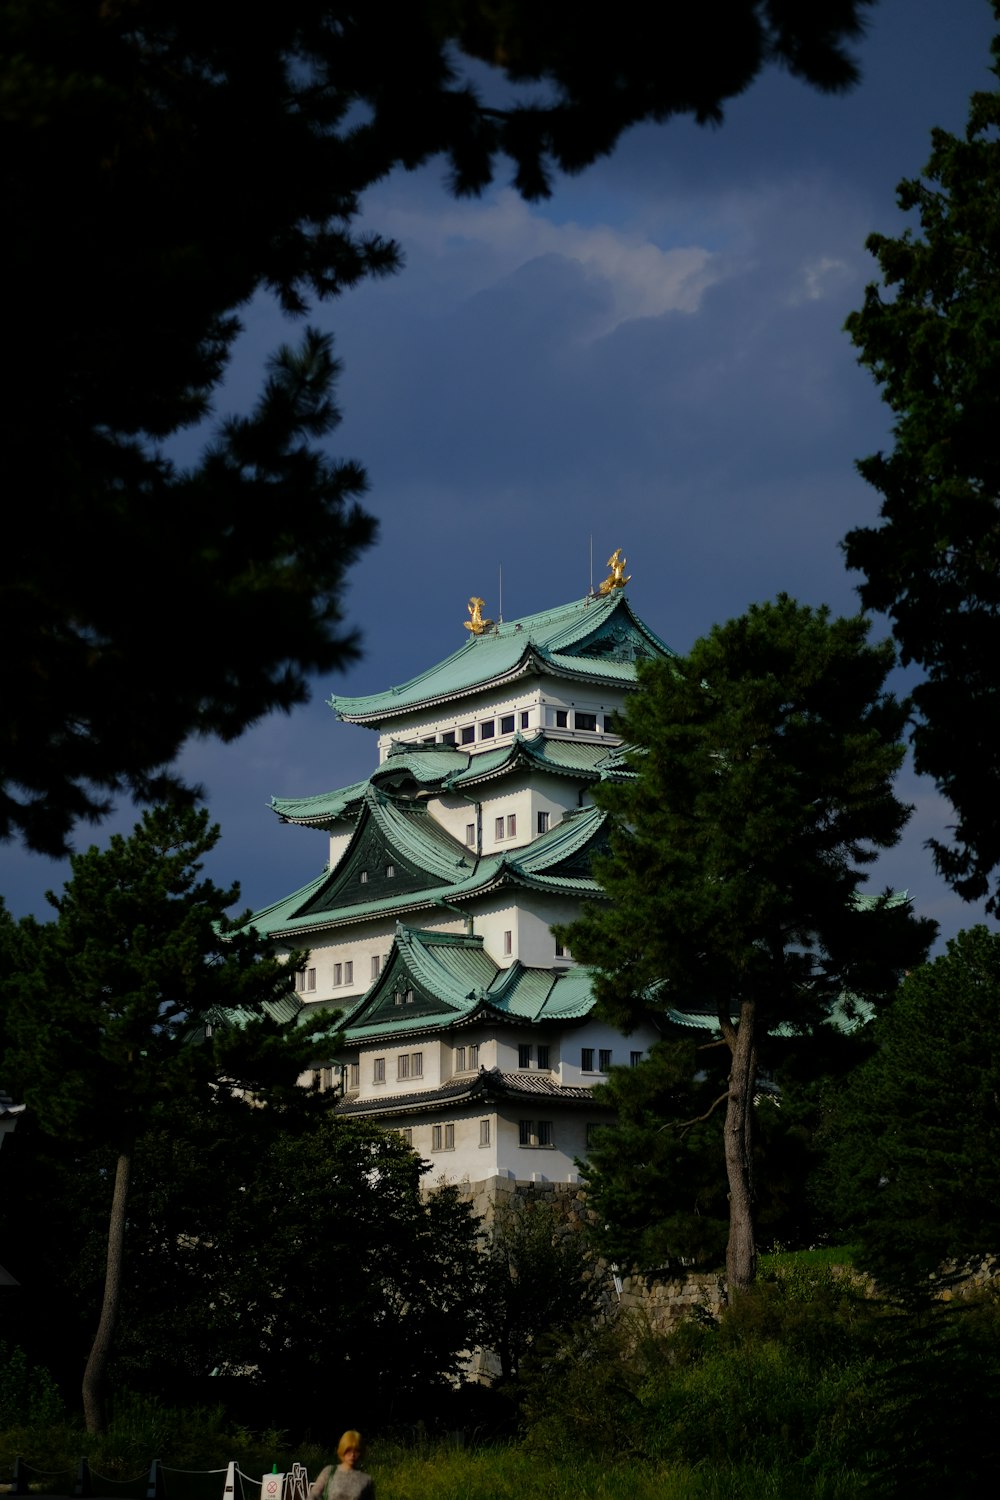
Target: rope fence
161 1482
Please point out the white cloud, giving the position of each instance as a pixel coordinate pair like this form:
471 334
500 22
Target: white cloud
476 245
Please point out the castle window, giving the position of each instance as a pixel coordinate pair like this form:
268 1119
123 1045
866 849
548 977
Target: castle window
524 1055
354 1076
406 1135
473 1057
443 1138
390 872
635 1058
525 718
512 825
448 738
338 974
586 1059
449 1137
508 941
378 1070
416 1065
585 721
609 724
376 965
545 1132
484 1132
507 724
363 877
470 835
543 822
604 1060
436 1138
468 733
562 718
543 1058
403 1065
525 1132
499 827
487 729
408 997
459 1059
561 951
349 971
305 980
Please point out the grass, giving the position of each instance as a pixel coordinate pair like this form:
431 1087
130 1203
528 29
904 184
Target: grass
509 1473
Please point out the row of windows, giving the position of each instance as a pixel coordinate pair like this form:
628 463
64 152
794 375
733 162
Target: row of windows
486 729
343 973
489 729
408 1065
604 1059
560 718
529 1133
411 1065
506 828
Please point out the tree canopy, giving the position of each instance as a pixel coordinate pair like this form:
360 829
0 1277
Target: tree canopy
164 162
140 1001
928 332
914 1169
758 789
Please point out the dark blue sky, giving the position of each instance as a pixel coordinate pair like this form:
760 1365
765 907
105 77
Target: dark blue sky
653 359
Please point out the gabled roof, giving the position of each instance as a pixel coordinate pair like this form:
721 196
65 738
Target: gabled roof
434 981
593 639
432 869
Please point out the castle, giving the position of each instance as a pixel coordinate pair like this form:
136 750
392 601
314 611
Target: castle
466 1026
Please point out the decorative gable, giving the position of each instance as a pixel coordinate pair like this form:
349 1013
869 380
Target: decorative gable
617 640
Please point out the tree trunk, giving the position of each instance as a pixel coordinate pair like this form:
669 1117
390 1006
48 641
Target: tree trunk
93 1375
741 1252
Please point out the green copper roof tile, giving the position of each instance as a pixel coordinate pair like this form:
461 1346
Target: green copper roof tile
562 757
320 809
428 766
599 638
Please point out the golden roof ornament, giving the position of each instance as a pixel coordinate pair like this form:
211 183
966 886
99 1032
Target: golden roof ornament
476 623
617 578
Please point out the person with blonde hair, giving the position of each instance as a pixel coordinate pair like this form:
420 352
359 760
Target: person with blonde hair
348 1481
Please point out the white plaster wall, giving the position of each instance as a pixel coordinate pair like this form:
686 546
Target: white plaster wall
468 1161
597 1036
340 837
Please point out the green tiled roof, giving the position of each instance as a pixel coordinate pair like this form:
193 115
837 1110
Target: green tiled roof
452 979
598 639
540 752
447 767
323 808
433 868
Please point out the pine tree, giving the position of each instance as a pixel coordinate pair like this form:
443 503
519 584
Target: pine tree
914 1170
760 787
930 335
140 998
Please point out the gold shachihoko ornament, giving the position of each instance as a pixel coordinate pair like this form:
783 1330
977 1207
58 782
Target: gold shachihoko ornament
476 624
617 578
